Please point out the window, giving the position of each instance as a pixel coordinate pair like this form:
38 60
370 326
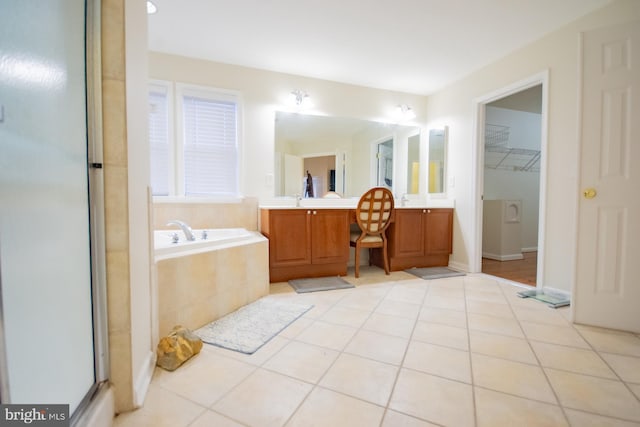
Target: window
204 160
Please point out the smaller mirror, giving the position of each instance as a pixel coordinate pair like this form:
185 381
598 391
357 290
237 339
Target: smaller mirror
437 160
413 164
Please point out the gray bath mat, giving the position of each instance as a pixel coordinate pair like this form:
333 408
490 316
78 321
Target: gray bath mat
252 326
319 284
434 272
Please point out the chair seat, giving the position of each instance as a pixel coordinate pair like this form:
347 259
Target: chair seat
368 239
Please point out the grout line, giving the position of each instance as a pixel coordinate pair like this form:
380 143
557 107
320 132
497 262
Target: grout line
261 365
220 414
473 382
404 356
388 288
340 352
540 366
596 351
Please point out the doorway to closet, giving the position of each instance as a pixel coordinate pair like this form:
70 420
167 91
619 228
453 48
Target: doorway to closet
511 135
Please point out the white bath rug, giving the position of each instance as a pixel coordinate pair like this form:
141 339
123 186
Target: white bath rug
252 326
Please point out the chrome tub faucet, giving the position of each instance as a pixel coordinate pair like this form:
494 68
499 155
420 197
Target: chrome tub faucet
188 232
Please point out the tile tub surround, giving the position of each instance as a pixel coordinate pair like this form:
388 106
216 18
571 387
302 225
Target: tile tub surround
401 351
243 214
197 289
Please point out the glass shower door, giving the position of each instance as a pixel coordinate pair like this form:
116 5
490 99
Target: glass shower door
45 260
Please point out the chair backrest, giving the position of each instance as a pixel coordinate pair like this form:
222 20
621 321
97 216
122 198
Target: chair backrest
374 210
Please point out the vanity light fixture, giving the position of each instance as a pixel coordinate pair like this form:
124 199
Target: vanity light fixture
151 8
300 98
404 113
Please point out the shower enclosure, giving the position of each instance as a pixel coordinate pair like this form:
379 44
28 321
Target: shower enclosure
52 323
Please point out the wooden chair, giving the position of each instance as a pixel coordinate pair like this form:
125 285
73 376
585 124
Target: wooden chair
373 215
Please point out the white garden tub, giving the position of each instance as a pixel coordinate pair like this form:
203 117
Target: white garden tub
216 238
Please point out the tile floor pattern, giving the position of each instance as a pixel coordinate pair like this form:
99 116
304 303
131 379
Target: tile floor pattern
402 351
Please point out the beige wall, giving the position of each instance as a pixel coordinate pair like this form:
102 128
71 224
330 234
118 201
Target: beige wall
559 53
320 167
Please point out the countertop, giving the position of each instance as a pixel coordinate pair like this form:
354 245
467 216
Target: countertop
349 203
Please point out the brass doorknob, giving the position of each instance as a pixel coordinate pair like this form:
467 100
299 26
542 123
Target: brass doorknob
589 193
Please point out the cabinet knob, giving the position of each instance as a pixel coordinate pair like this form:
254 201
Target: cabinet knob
428 210
315 212
308 212
424 210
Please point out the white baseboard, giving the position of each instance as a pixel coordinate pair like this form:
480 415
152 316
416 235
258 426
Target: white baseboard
100 411
144 379
459 266
531 249
508 257
562 292
507 281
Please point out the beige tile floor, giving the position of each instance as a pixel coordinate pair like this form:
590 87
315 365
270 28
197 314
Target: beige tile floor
401 351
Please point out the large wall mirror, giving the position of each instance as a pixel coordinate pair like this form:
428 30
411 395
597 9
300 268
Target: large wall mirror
437 160
316 155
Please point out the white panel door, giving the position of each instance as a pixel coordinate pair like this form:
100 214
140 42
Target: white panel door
293 175
607 291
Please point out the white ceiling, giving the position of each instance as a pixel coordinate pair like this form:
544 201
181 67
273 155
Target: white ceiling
414 46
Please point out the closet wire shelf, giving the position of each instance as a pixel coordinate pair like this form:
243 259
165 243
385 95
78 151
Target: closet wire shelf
498 155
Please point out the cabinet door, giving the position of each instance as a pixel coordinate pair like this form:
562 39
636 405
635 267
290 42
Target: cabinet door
329 236
289 237
438 230
408 235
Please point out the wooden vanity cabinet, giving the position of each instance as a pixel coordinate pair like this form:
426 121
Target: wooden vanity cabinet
419 238
306 242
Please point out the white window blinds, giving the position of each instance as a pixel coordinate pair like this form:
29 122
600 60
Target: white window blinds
159 141
210 146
